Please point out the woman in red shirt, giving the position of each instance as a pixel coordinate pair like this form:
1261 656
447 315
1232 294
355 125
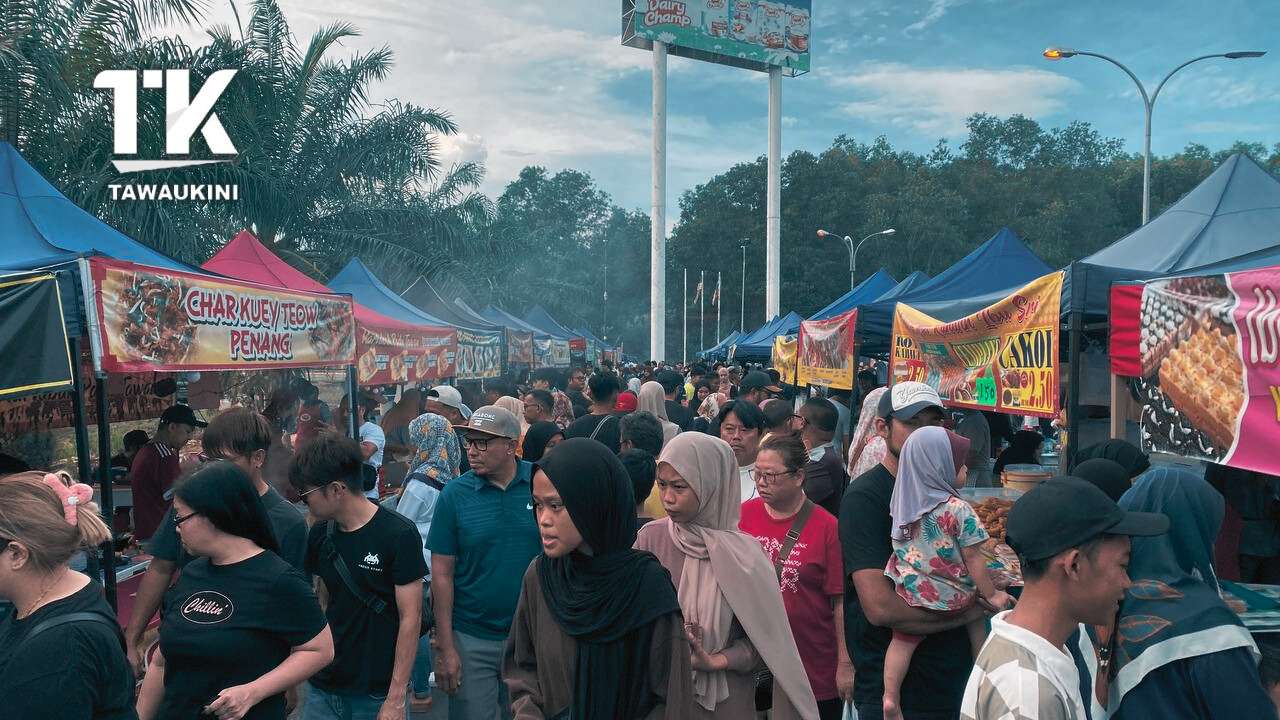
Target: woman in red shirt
810 573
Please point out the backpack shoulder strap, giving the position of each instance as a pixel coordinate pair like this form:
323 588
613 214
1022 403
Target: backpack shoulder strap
75 617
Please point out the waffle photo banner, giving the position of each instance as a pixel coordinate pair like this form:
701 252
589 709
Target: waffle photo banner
1002 358
1207 351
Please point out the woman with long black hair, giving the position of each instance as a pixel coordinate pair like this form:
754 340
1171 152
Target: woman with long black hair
598 631
241 625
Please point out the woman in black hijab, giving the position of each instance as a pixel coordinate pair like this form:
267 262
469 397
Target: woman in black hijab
598 631
1108 476
1023 450
540 438
1124 453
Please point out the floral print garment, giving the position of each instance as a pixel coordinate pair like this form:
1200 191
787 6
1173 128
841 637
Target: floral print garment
928 569
439 454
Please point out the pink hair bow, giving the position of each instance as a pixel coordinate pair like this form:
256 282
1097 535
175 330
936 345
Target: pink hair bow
71 496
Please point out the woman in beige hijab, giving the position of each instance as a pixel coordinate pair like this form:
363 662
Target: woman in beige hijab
734 618
654 400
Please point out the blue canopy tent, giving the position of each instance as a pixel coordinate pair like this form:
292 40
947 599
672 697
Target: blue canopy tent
424 296
759 344
541 319
909 283
41 229
993 270
721 349
866 291
357 280
1230 221
507 320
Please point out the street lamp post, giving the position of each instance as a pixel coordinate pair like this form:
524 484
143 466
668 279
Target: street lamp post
742 299
853 250
1148 103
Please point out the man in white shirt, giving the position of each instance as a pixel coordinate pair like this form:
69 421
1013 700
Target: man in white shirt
741 425
1073 544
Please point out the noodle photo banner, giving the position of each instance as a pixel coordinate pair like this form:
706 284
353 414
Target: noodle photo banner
152 319
1002 358
519 347
828 351
479 355
399 356
784 358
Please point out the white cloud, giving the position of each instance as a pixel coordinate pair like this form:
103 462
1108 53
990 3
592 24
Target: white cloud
936 101
937 9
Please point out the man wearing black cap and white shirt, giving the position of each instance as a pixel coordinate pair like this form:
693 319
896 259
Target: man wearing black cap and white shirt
756 387
935 682
446 401
482 539
155 467
1073 545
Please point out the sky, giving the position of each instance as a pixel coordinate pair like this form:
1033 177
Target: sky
548 82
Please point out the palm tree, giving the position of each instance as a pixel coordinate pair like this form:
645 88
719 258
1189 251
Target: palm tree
323 174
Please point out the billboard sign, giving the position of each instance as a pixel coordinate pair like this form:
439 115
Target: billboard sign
751 34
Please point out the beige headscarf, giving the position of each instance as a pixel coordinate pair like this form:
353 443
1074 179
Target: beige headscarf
727 575
507 402
653 399
867 449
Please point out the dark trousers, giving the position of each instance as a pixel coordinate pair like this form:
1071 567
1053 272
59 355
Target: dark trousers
832 709
876 712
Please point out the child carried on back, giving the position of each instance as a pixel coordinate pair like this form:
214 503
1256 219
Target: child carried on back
936 564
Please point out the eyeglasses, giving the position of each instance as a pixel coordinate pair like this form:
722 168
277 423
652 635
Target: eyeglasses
769 478
480 444
183 518
303 496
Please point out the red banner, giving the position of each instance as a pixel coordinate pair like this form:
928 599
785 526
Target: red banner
149 319
409 354
828 351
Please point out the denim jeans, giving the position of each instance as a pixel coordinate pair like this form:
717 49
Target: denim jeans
483 694
323 705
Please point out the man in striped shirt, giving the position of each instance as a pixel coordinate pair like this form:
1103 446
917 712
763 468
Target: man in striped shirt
1073 543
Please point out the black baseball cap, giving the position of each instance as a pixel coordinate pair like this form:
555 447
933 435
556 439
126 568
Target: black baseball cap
1064 512
181 414
756 380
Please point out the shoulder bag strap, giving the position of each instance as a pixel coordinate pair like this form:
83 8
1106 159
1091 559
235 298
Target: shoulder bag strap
53 622
793 535
599 425
378 605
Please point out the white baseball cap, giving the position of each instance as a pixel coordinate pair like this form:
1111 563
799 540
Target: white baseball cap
446 395
905 400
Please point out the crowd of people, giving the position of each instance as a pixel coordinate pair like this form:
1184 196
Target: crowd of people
642 542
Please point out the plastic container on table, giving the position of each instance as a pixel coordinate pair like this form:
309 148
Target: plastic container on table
1024 477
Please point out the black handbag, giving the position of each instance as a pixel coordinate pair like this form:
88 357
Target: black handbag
377 604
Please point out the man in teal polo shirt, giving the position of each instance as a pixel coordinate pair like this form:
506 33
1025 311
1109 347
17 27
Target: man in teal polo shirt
482 539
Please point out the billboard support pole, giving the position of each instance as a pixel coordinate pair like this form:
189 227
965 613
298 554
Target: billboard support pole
773 225
658 217
684 352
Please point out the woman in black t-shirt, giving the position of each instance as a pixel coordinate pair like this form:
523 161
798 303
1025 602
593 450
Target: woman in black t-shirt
53 665
241 626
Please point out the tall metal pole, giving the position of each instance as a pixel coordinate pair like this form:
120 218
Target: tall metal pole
702 310
853 261
742 299
107 504
719 303
685 306
773 218
658 215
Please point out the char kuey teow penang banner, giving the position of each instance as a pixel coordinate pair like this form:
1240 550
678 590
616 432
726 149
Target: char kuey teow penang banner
784 358
1002 358
1210 384
828 351
398 356
479 355
150 318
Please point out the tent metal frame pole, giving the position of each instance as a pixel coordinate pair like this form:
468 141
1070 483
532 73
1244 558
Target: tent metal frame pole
353 398
107 503
1076 339
83 464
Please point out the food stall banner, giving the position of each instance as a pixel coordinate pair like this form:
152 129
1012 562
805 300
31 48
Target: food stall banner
1210 383
34 338
1002 358
784 358
479 355
519 347
828 351
751 34
129 398
147 318
393 356
550 353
